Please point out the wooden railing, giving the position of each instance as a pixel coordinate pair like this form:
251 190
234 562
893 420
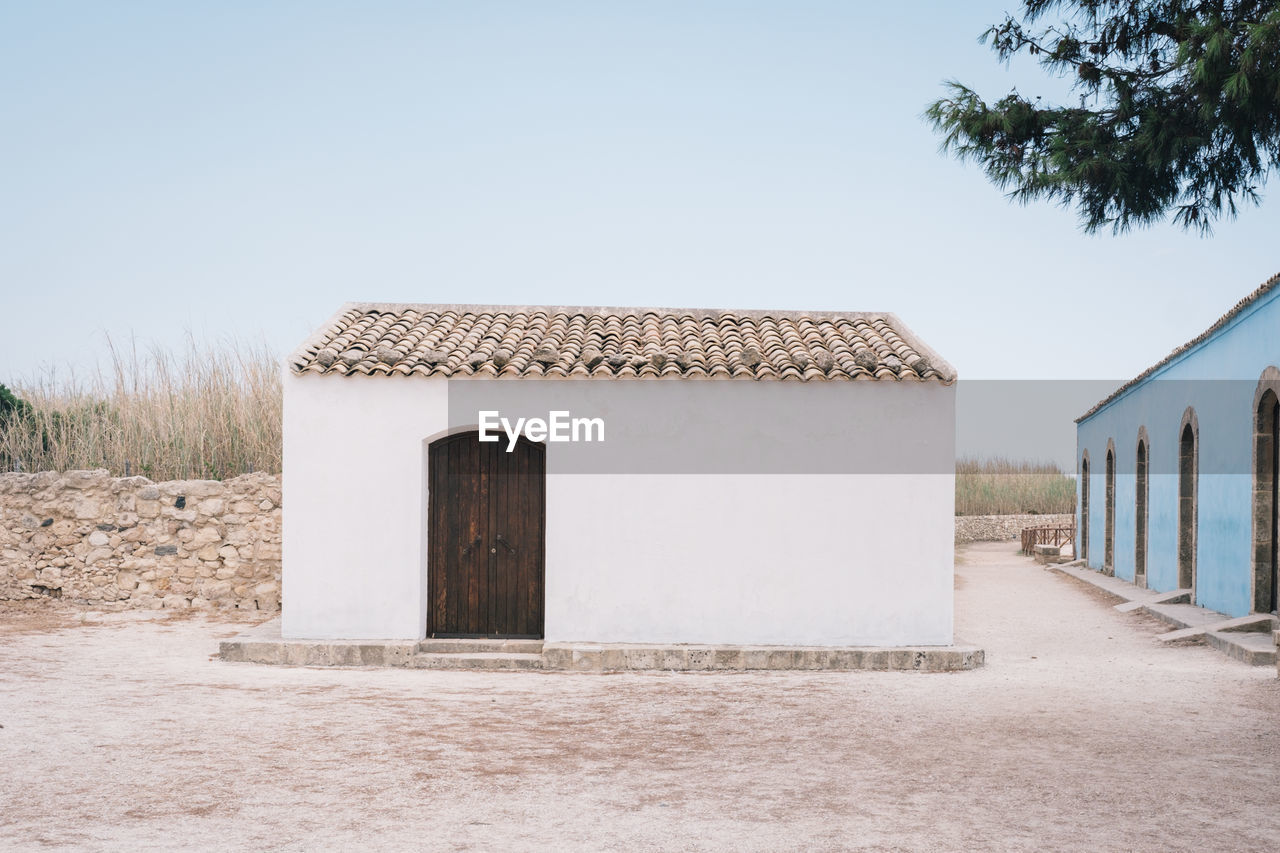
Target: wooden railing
1047 534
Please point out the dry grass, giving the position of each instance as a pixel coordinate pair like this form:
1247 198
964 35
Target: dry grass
1003 487
214 412
210 412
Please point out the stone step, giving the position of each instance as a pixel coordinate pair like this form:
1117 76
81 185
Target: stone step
1252 623
1177 596
1185 615
1252 647
1046 554
1252 639
472 645
1184 635
1109 584
615 657
478 660
263 644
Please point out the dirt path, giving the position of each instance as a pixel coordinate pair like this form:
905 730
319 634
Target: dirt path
1080 734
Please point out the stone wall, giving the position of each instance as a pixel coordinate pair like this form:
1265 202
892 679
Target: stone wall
997 528
115 542
126 542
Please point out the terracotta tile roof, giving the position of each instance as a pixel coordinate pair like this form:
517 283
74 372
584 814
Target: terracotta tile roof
477 340
1267 286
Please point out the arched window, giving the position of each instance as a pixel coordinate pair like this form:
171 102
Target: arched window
1188 476
1109 516
1266 493
1084 508
1142 490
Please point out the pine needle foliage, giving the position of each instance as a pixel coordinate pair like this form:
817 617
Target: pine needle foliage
1179 110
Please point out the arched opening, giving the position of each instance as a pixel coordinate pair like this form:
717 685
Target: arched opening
1266 502
1084 508
1142 491
1187 506
1109 523
486 541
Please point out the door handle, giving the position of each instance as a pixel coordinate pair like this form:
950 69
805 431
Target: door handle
505 544
467 549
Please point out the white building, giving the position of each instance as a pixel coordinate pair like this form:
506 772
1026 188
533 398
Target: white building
779 478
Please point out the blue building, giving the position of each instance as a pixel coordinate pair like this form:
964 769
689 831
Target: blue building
1178 467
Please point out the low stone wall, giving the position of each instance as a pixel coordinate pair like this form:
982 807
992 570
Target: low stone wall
126 542
998 528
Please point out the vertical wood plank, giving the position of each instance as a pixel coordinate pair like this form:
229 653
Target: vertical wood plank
503 610
433 559
538 488
493 462
453 557
476 492
520 620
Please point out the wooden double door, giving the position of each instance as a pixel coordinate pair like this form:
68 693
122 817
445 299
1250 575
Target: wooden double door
486 513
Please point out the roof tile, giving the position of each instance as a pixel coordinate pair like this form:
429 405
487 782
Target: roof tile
501 341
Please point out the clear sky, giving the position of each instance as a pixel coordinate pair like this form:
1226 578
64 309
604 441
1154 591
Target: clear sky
240 169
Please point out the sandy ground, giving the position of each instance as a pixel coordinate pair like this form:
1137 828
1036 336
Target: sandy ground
1082 733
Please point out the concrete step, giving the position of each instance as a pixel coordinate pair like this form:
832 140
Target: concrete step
1253 623
1047 554
1252 639
478 660
1184 635
472 645
1185 615
1177 596
1252 647
1109 584
262 644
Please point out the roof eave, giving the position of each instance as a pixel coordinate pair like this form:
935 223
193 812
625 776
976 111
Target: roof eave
1220 325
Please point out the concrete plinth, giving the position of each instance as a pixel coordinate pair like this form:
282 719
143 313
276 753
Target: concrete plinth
263 644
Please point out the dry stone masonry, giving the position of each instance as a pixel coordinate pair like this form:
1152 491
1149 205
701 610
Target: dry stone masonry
126 542
999 528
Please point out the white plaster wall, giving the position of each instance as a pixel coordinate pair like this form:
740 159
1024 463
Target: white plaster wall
788 559
354 499
822 559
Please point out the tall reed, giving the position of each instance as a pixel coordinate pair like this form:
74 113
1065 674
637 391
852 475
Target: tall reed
1005 487
209 412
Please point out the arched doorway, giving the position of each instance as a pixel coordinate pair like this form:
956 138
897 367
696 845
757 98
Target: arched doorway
1266 502
1084 508
1142 491
486 512
1109 523
1187 488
